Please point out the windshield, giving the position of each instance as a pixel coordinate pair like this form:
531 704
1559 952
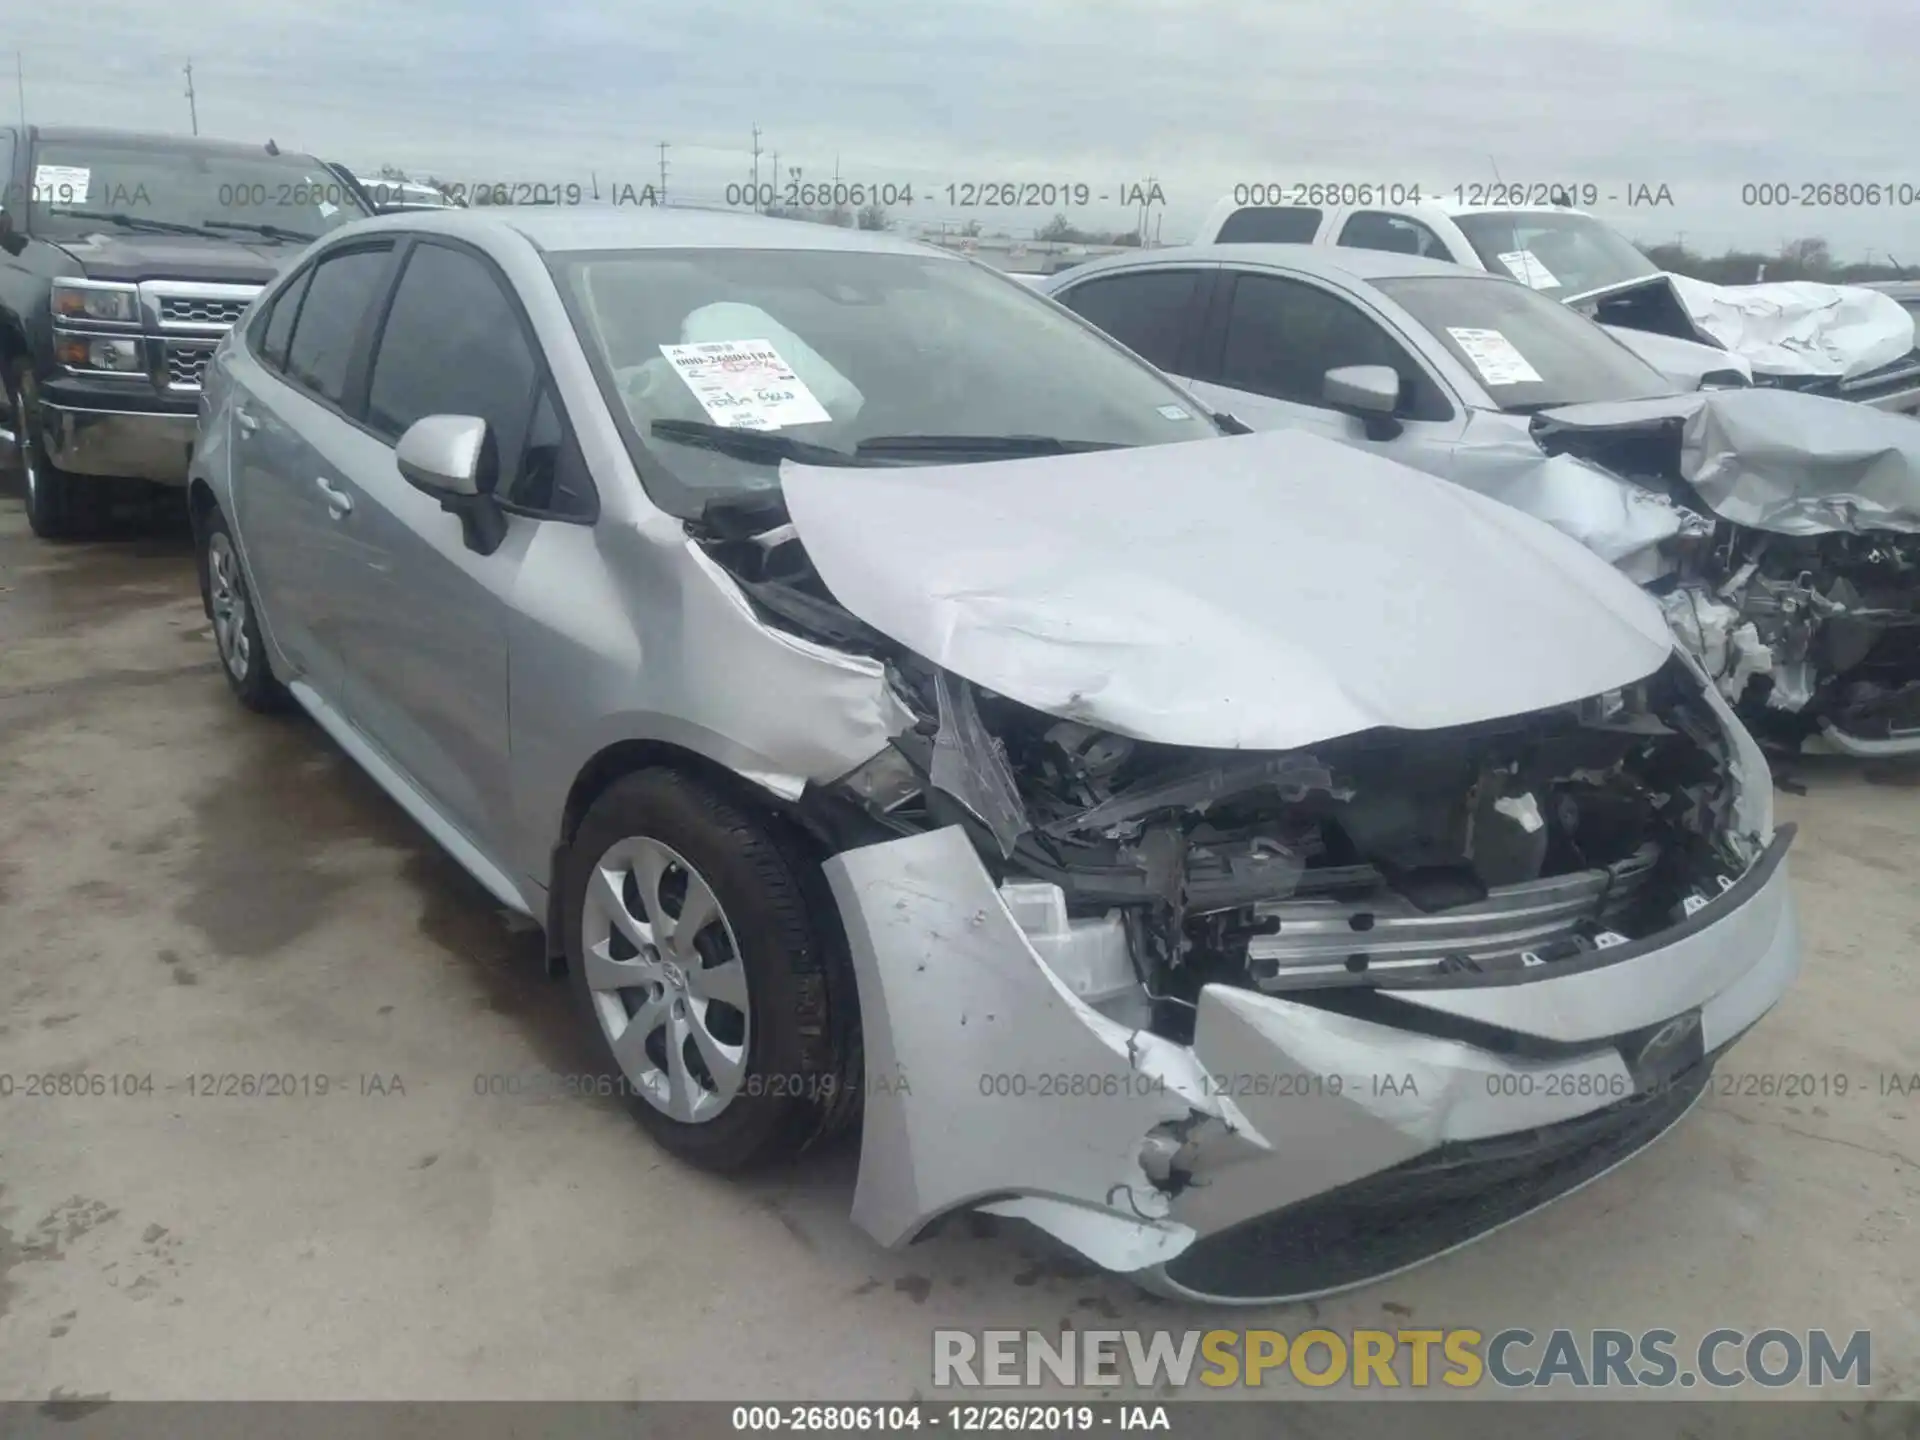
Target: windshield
849 352
1528 351
1561 254
231 195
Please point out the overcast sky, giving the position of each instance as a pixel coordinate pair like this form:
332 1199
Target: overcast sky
1702 96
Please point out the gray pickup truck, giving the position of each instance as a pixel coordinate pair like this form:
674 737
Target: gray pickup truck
124 258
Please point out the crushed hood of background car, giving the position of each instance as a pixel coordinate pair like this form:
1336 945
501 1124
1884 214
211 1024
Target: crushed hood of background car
1801 327
1255 592
1773 460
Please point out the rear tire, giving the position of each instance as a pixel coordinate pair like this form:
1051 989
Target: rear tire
736 1046
236 623
60 505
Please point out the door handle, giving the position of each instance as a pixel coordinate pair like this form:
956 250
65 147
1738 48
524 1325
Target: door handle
245 421
339 503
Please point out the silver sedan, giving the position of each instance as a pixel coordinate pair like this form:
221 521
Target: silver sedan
1781 531
900 705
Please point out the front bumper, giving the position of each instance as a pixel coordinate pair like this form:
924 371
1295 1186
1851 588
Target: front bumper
142 445
992 1086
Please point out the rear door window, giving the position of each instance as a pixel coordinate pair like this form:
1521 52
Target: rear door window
1152 313
1271 225
1396 234
277 325
321 352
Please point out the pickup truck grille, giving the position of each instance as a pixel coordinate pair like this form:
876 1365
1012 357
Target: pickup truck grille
187 364
185 322
200 310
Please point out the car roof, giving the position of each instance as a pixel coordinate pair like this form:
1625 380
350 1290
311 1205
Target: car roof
155 140
562 228
1326 261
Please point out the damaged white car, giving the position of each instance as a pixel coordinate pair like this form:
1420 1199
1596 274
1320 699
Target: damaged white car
1254 862
1779 531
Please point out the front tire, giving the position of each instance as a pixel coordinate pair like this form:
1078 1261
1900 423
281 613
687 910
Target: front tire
695 958
236 623
60 505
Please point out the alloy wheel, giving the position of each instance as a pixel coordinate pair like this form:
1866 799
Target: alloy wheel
229 596
666 979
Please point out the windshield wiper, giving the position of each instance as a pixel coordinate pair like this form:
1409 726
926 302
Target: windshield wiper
1003 446
272 232
761 447
132 222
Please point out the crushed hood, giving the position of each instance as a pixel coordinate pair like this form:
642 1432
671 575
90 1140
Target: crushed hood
1774 460
1801 327
1255 592
1788 328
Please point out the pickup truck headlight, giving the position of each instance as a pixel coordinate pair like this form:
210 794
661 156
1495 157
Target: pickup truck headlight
96 300
97 352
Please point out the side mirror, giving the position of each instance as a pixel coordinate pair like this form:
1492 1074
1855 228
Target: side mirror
1369 392
10 239
453 459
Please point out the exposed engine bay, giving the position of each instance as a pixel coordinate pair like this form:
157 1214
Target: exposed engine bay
1795 629
1809 623
1142 872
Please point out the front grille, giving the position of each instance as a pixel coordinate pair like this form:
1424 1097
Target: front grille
1428 1205
200 310
187 365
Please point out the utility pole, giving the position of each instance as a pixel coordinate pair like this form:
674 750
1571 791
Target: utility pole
20 79
193 110
663 173
776 177
756 169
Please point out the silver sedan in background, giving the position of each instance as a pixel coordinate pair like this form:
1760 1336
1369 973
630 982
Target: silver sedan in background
1256 863
1780 531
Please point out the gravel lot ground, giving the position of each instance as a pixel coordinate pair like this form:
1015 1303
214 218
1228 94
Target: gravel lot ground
189 890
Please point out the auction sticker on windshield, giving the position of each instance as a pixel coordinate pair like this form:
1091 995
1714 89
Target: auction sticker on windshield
61 184
1494 356
1527 266
745 384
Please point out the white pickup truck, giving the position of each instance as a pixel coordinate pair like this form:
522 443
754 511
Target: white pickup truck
1845 341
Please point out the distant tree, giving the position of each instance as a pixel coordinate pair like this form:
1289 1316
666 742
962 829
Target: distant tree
873 217
840 215
1810 258
971 229
1057 229
391 172
1812 255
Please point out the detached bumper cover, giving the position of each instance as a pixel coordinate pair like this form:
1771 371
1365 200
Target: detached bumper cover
992 1086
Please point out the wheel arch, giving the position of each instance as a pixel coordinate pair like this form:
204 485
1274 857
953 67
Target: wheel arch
625 757
788 830
201 502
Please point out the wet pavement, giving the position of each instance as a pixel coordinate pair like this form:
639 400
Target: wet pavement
194 898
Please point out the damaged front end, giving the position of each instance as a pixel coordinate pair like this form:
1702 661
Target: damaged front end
1254 1024
1795 579
1809 636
